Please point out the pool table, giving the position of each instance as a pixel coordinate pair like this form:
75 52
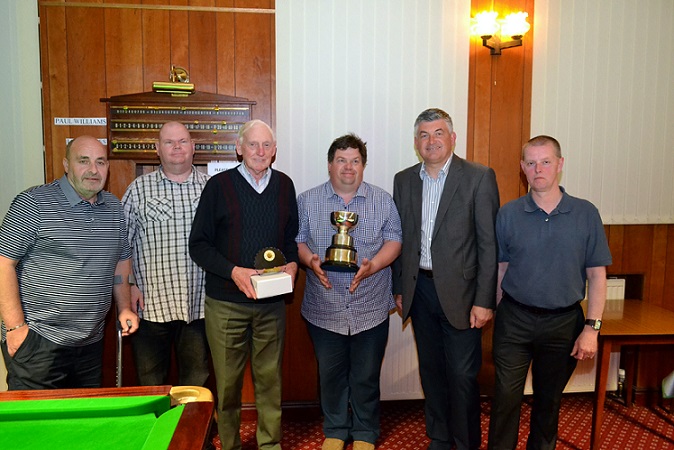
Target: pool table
150 418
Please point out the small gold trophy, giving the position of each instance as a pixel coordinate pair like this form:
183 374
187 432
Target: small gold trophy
341 256
178 85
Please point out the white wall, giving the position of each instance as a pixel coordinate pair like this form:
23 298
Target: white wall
603 85
21 151
368 67
21 147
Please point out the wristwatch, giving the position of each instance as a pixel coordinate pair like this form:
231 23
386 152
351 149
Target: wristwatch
594 323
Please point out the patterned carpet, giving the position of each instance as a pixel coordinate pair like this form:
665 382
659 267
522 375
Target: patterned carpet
402 427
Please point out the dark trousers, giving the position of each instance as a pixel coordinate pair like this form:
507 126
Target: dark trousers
546 340
153 345
449 362
349 368
42 364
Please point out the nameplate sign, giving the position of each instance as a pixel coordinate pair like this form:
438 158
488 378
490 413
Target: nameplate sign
81 121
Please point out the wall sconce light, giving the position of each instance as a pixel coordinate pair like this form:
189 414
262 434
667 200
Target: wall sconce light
492 30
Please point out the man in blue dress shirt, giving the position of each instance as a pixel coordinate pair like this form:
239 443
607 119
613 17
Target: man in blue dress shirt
347 313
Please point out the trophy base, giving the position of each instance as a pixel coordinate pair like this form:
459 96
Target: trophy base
339 266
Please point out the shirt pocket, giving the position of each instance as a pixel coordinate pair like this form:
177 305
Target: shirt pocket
159 209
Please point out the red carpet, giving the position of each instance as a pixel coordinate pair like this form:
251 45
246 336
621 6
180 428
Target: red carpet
402 427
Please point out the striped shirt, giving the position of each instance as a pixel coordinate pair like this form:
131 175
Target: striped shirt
432 193
67 250
337 309
159 215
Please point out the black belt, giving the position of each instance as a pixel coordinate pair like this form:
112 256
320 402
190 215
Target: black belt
536 309
426 272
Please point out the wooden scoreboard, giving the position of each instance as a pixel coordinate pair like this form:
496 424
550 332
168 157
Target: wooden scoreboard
213 121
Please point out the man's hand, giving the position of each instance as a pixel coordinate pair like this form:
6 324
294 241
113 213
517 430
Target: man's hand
586 344
137 302
479 316
129 321
366 269
15 338
399 303
291 269
315 265
241 276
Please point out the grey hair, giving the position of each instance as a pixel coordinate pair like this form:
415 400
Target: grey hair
431 115
250 124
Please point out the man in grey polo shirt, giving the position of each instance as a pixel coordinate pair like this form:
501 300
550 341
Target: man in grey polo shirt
549 244
63 253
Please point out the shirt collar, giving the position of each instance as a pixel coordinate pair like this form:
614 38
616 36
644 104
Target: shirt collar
443 172
563 207
253 182
362 190
161 176
72 196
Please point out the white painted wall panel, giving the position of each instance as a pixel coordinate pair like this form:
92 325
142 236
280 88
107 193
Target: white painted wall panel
603 84
368 67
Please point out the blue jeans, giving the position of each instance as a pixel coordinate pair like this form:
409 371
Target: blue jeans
42 364
349 369
153 344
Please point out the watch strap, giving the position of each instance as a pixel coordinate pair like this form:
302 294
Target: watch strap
594 323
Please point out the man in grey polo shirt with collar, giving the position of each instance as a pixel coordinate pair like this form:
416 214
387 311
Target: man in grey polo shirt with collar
63 254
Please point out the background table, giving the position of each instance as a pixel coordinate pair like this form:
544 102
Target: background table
636 323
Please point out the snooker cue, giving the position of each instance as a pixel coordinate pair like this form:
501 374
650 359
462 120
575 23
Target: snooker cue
118 364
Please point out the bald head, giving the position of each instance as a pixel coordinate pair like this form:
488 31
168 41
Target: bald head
86 166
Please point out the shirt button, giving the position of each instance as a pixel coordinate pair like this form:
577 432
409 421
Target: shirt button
547 219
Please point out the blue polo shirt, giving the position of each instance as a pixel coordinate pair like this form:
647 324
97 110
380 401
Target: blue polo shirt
548 254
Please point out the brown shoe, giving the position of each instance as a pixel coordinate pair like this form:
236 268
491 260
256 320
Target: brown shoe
362 445
332 444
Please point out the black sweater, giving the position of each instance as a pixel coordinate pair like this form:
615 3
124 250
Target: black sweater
233 222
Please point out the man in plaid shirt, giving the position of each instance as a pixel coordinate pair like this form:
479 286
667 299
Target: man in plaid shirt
169 292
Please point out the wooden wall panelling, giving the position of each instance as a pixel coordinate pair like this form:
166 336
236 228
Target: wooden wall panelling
123 51
55 89
156 45
616 238
637 254
668 285
180 53
223 42
300 383
272 71
85 29
500 102
254 53
202 47
658 264
479 103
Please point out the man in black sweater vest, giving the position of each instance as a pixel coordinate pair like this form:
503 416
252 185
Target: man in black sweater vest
241 211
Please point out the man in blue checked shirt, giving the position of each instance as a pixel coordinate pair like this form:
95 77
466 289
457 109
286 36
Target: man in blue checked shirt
347 313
